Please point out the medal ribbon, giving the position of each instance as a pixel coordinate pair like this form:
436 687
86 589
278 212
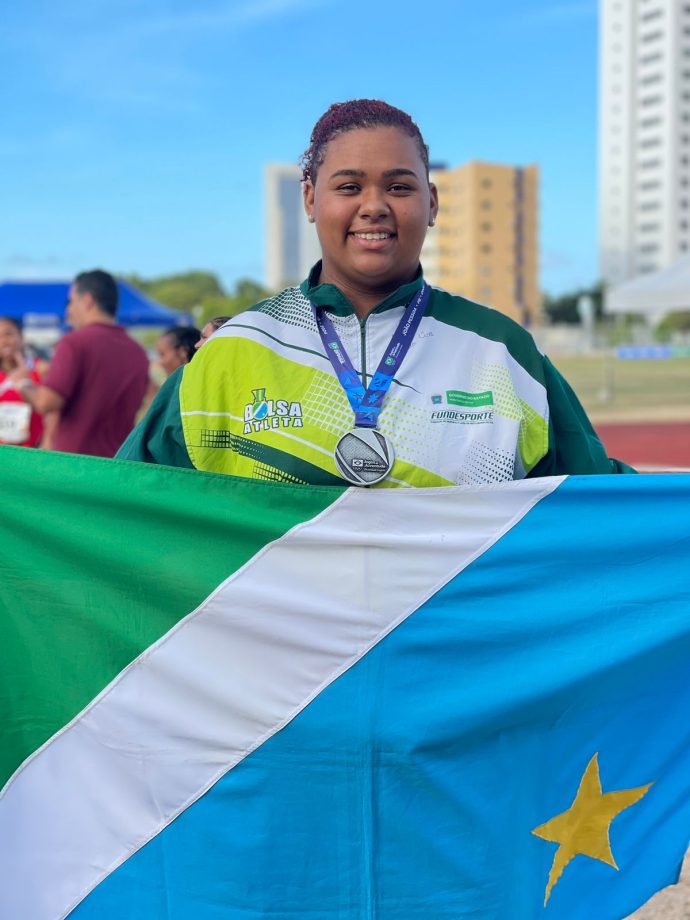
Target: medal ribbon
366 404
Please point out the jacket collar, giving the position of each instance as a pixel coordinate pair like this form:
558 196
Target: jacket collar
331 298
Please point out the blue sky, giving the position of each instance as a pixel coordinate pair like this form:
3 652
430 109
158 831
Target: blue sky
134 132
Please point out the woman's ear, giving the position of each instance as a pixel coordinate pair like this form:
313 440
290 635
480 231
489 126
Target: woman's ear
308 196
433 204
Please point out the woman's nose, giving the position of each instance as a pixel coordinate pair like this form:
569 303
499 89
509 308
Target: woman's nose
373 204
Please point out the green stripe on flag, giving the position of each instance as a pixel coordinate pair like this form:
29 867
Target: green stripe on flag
75 611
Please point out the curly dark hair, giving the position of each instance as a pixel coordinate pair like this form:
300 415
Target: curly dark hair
184 338
347 116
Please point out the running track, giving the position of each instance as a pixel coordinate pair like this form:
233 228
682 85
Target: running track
657 445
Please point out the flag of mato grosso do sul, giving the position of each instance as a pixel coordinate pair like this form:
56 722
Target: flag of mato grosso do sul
230 699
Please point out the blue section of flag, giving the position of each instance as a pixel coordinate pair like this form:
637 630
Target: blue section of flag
410 787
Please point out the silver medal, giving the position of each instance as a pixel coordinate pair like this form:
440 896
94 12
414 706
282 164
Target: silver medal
364 456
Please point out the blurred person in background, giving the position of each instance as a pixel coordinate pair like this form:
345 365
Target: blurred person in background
19 423
213 325
98 376
176 347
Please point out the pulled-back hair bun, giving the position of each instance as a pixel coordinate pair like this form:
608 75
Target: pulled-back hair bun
348 116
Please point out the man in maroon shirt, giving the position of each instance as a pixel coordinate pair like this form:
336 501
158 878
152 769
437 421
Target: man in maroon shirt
98 376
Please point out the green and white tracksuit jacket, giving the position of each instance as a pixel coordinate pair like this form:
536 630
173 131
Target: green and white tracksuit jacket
473 402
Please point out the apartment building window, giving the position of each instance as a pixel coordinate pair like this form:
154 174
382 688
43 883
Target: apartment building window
648 228
650 122
650 206
651 36
649 100
486 183
486 227
648 249
486 248
485 205
650 164
650 142
649 186
650 58
650 79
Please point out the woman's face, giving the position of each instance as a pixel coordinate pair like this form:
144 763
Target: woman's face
169 357
372 204
10 340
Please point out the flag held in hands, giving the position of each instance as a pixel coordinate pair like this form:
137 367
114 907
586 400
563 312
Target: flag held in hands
229 699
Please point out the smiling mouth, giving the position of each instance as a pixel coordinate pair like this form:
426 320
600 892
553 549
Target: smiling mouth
369 235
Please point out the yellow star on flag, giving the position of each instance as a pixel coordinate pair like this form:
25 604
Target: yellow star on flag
584 828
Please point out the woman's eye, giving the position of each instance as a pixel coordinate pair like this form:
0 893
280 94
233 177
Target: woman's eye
348 187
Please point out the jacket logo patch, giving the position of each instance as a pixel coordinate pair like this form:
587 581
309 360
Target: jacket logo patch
471 400
472 408
263 414
463 416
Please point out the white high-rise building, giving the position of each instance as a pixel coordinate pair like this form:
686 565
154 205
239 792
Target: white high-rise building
644 135
292 246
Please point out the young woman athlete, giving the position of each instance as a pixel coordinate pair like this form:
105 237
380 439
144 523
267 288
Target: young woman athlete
364 373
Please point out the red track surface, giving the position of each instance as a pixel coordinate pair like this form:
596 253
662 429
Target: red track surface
665 445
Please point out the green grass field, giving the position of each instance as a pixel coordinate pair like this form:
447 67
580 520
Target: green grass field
613 389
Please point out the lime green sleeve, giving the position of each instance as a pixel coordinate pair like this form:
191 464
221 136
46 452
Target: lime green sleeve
158 437
574 446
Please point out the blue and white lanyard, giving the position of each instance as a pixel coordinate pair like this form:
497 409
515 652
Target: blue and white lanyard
366 404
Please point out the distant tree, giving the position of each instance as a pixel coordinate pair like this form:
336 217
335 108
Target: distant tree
201 294
563 309
212 307
181 291
672 322
248 292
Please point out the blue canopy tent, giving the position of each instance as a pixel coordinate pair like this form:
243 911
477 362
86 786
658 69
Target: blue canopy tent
44 301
